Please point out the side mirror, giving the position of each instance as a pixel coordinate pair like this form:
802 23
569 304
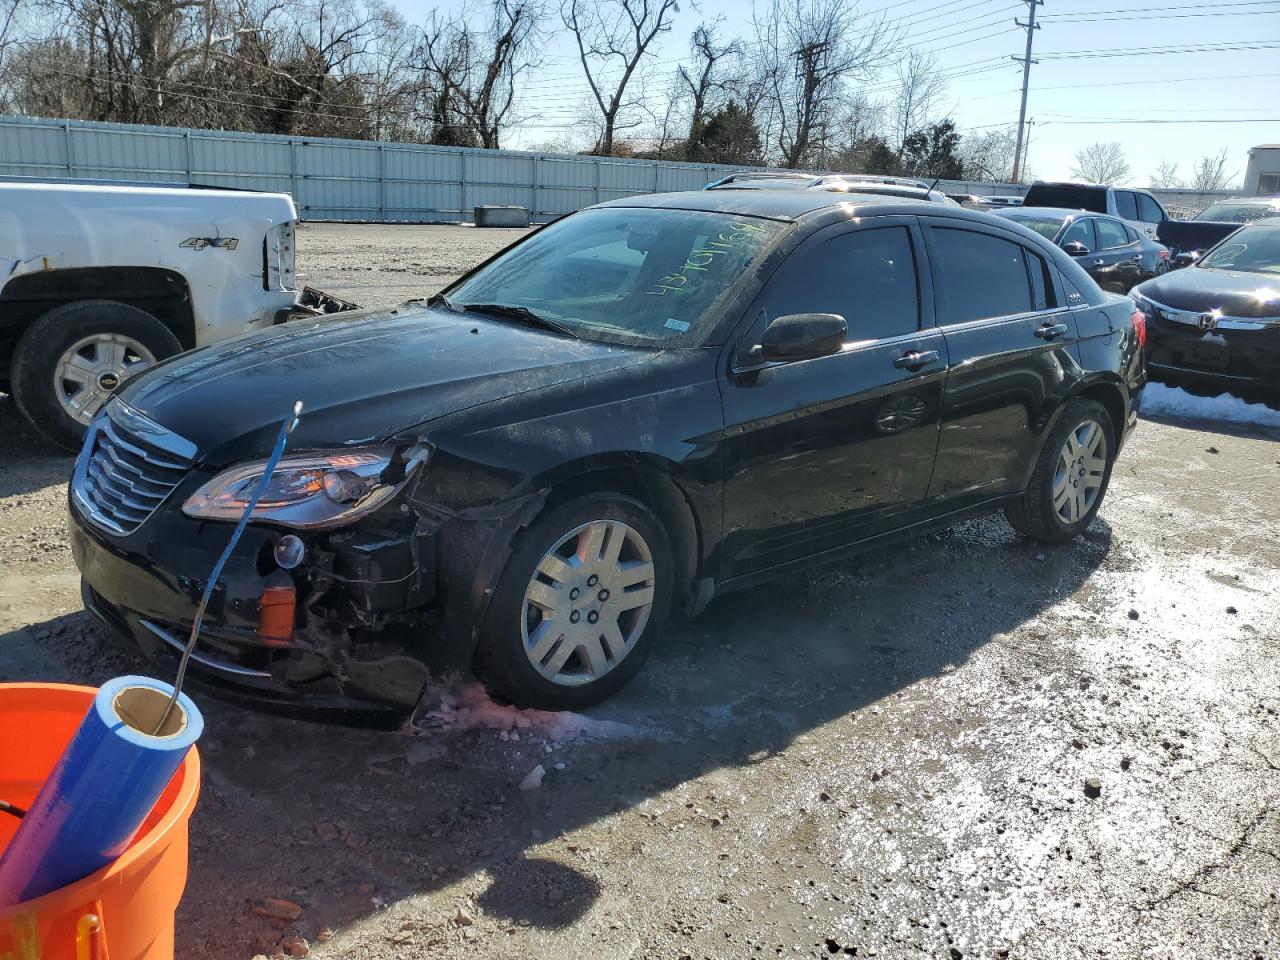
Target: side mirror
1076 249
803 336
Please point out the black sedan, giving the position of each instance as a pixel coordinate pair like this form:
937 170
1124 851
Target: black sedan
626 413
1217 324
1117 256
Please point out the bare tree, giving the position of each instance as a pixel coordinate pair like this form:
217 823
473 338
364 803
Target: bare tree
1166 175
613 37
1101 163
700 78
475 67
920 87
1210 173
810 50
989 155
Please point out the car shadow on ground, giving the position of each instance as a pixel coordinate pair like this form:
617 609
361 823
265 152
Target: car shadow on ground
347 822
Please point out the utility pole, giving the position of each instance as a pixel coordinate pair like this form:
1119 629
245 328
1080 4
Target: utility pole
1031 27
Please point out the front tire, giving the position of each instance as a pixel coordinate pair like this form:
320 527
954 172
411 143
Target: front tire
68 362
1070 477
579 605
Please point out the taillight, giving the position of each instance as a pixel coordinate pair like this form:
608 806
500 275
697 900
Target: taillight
1162 255
1139 321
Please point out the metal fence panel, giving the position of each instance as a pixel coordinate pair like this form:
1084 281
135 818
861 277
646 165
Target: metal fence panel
361 180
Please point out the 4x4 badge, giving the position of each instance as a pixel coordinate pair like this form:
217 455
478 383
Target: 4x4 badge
219 243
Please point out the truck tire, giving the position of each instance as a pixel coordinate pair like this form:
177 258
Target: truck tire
70 359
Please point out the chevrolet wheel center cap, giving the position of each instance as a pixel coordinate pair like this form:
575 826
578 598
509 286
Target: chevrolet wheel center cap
109 381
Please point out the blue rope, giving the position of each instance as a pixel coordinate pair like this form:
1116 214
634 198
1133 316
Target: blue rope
273 461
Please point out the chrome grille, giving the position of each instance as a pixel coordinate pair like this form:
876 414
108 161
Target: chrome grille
128 466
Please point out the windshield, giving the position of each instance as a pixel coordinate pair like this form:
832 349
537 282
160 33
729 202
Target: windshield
1252 250
1227 212
1047 227
626 275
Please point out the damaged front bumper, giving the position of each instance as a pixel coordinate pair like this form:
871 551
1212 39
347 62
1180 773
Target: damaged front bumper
364 605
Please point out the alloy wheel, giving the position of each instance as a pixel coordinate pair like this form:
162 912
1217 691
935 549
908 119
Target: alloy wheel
588 602
1082 464
91 368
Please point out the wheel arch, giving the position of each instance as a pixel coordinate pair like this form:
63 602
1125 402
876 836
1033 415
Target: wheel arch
162 293
649 480
1110 394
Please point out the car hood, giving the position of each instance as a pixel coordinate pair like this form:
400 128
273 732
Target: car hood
1234 292
361 377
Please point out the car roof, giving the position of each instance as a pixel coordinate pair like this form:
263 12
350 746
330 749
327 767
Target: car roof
792 204
1271 201
1070 183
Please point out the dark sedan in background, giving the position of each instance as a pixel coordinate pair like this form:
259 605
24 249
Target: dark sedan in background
1117 256
1217 324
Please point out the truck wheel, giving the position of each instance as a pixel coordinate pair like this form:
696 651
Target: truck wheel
68 362
579 604
1070 478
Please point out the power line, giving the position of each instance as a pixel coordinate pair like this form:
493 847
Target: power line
1169 16
1225 47
1140 120
1192 6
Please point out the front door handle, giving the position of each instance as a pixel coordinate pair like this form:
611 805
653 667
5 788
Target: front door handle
1136 258
914 359
1098 262
1051 331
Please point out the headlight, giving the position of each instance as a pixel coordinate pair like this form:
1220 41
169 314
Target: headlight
309 491
1142 303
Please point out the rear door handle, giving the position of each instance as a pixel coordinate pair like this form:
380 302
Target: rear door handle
1098 262
914 359
1136 258
1051 331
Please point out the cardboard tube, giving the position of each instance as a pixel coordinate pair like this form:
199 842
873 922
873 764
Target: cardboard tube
102 788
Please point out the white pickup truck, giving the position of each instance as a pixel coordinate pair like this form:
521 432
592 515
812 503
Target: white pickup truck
99 280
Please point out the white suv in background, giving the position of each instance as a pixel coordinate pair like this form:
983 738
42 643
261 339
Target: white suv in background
1136 206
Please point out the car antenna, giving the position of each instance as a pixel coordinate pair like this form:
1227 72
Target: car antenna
286 428
936 181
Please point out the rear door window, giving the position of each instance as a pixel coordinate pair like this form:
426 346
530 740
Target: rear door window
866 276
1081 231
1127 204
979 276
1148 210
1111 234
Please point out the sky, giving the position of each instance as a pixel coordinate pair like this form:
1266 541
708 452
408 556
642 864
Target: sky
1171 105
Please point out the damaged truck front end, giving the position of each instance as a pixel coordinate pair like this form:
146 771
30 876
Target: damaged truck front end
334 616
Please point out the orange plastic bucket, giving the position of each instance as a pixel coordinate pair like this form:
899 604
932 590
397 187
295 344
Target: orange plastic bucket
125 910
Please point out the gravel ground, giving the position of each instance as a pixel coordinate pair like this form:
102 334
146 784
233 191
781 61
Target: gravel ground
966 746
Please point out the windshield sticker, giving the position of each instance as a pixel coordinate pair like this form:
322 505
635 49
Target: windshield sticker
674 324
687 277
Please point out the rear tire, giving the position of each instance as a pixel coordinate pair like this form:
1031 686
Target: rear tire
1070 478
579 605
68 361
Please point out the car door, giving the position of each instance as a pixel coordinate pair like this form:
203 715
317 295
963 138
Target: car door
1116 261
1150 214
822 452
1010 344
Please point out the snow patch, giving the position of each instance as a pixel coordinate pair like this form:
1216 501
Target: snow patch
1165 401
469 707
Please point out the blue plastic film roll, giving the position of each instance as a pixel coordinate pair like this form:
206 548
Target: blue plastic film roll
101 790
